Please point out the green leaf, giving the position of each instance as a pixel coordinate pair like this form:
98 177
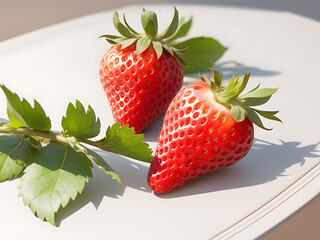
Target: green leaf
15 154
120 27
128 26
127 42
149 23
112 39
234 89
157 46
238 112
268 115
241 84
258 97
230 85
22 114
217 78
34 142
255 119
80 123
202 54
209 82
57 175
179 51
96 158
112 42
110 36
15 123
180 60
166 47
182 30
102 164
254 89
122 140
230 97
172 27
143 44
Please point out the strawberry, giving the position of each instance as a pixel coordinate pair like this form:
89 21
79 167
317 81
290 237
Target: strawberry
141 73
207 126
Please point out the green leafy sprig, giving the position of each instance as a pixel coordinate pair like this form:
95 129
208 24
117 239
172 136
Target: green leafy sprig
242 105
195 54
56 165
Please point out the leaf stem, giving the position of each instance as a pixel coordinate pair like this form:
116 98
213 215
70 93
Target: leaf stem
31 132
60 138
96 144
56 137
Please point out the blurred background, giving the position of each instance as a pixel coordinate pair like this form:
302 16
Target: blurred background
21 16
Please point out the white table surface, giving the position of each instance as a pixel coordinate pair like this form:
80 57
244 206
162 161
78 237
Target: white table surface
18 17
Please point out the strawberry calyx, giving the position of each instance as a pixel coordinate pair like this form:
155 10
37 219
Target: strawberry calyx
241 105
165 40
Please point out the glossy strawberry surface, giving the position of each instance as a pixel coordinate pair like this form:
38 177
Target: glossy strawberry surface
199 135
139 88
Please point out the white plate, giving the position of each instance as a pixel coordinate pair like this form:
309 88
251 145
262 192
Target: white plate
60 64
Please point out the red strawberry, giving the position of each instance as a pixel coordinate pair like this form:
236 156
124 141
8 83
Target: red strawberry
141 73
207 126
139 88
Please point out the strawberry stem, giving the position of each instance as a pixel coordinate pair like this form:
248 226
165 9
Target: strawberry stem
241 106
150 36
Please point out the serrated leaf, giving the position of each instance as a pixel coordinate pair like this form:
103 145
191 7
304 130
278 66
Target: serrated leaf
120 27
202 54
57 175
172 27
15 123
157 46
142 44
22 114
182 30
15 154
149 23
96 158
258 96
80 123
123 141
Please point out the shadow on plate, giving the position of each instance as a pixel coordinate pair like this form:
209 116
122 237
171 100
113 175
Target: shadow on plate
228 68
151 134
264 163
133 174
